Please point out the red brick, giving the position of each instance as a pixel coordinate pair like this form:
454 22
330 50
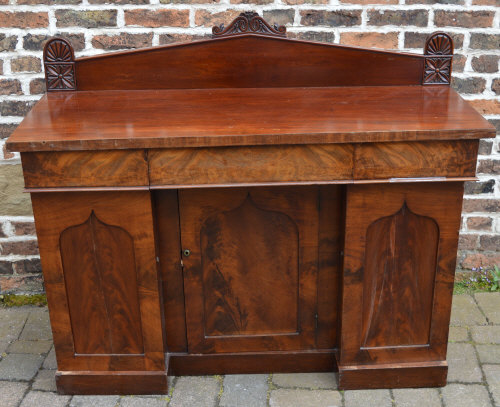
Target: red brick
295 2
489 167
470 19
24 19
417 18
122 41
485 63
459 62
86 18
189 1
336 18
495 86
484 106
157 18
370 1
6 267
485 2
173 38
371 40
467 242
26 283
318 36
251 1
489 242
26 64
10 87
476 260
479 223
417 40
23 248
481 205
207 19
37 86
6 130
280 17
31 266
7 155
24 228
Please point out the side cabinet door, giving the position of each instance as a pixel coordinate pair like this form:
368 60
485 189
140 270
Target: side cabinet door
250 268
400 252
98 259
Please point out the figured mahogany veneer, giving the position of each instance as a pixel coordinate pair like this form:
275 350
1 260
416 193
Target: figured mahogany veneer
248 204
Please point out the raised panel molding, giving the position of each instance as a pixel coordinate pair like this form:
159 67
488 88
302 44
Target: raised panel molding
400 268
250 261
99 270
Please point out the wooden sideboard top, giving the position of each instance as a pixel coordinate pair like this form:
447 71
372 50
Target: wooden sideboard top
98 120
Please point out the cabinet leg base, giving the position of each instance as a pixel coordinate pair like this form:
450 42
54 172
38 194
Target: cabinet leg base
107 382
394 375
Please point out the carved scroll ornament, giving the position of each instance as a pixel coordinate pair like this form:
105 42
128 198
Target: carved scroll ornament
59 63
249 22
439 54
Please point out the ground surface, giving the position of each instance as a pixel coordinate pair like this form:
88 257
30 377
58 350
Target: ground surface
27 368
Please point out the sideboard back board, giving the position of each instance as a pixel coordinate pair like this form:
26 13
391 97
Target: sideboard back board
248 203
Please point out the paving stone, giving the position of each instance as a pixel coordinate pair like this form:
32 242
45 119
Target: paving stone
37 326
50 361
462 363
37 347
490 304
458 334
417 397
486 334
3 347
465 312
306 380
195 391
465 395
20 366
12 393
488 353
305 398
363 398
11 324
45 380
492 373
94 401
41 398
137 401
245 390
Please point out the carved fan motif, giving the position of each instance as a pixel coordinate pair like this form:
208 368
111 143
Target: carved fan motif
437 68
58 58
58 50
249 22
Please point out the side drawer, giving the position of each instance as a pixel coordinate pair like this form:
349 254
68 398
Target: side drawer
247 165
114 168
415 159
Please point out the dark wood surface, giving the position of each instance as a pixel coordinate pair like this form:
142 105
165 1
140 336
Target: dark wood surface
235 117
282 272
399 264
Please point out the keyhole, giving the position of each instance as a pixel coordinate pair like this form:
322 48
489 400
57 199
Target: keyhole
186 252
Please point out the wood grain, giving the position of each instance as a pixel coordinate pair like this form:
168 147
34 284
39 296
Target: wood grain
251 276
238 117
399 272
365 263
229 165
259 61
54 214
415 159
85 168
99 271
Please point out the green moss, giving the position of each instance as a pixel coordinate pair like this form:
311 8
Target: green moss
16 300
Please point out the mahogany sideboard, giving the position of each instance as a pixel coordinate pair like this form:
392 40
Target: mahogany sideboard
248 203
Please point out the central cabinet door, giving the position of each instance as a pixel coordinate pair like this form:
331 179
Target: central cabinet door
250 259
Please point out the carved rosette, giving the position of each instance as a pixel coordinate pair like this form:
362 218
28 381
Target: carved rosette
438 59
59 63
248 23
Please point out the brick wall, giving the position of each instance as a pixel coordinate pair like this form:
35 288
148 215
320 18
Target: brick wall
95 26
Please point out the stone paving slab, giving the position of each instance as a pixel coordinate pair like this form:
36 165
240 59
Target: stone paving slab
28 364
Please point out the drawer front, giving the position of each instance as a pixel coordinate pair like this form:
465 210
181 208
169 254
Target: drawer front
241 165
117 168
415 159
